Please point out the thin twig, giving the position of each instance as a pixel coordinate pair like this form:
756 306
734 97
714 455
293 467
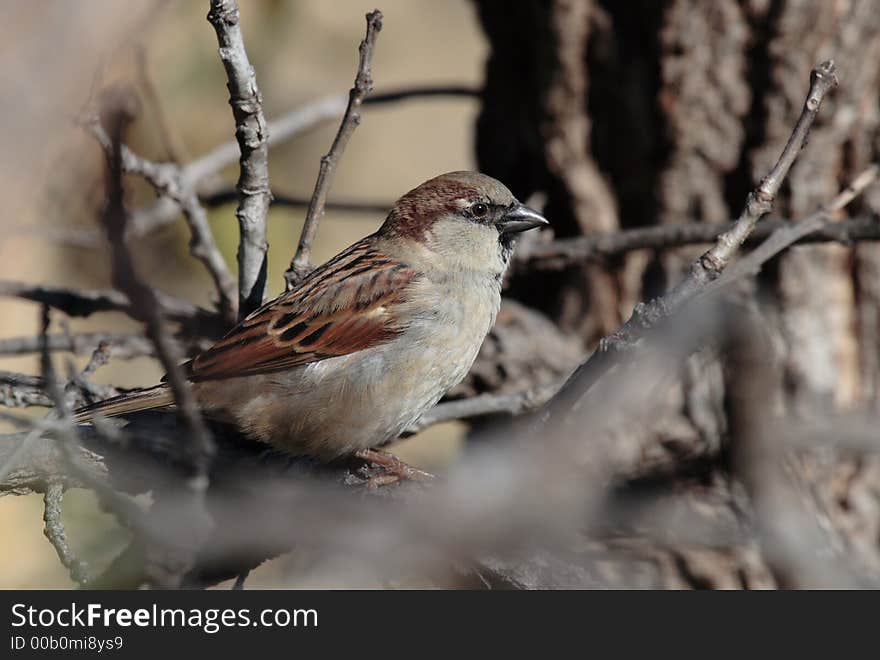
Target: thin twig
225 195
512 404
80 385
310 115
301 264
118 345
200 449
85 302
787 235
565 252
192 175
143 302
76 469
165 179
705 269
53 529
252 135
822 80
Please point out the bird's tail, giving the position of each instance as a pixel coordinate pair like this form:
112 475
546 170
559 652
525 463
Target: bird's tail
146 399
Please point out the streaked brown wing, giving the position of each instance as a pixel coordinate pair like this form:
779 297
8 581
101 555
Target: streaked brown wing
346 305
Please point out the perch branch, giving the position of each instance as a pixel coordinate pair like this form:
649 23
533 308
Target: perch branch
252 135
301 264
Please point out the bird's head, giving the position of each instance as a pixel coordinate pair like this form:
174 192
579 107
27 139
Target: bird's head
467 218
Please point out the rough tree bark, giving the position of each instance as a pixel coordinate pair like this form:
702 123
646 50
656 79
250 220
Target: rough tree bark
669 112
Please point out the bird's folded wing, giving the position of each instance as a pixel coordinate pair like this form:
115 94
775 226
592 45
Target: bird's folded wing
349 304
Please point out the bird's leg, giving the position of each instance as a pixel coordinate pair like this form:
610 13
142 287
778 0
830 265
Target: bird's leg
393 465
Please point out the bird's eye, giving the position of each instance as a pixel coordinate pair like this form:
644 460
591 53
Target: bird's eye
479 210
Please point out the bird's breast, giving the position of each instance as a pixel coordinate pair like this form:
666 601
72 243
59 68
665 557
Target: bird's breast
339 405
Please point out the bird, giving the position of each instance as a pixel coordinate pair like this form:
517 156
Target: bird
355 353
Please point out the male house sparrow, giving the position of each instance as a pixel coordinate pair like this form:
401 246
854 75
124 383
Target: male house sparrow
372 339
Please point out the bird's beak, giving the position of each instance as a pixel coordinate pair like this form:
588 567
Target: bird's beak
520 218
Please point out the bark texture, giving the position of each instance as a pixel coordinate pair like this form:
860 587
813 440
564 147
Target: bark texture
657 113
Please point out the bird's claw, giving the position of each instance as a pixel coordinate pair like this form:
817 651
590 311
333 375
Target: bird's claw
394 469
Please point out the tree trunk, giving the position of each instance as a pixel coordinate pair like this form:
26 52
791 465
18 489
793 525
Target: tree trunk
646 113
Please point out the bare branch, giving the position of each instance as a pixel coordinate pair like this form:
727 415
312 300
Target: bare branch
73 302
143 302
565 252
822 80
53 529
485 404
787 235
73 469
19 395
23 390
118 345
85 302
709 266
306 117
224 195
166 180
190 177
252 135
301 264
29 462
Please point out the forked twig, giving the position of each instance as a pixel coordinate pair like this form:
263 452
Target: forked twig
787 235
709 266
143 301
165 179
301 264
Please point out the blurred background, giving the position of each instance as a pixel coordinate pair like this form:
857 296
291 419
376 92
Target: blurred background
56 53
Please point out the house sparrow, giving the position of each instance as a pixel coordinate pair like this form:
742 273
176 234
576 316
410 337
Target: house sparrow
372 339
